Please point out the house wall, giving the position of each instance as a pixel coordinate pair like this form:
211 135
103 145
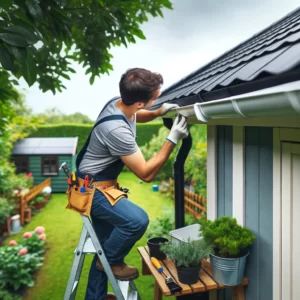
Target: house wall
258 162
59 183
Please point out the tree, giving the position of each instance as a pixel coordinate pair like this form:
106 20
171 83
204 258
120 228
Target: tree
55 116
39 39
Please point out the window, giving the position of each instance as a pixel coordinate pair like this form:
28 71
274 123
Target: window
22 164
49 165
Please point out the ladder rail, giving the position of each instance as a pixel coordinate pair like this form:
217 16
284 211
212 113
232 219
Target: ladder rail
76 267
100 253
89 244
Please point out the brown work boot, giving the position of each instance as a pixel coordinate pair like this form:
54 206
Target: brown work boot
110 296
122 272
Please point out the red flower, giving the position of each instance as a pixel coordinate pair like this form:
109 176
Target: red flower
23 251
13 243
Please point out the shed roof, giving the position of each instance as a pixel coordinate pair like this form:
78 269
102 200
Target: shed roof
46 146
269 58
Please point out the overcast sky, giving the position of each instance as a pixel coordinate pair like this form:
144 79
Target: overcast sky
193 34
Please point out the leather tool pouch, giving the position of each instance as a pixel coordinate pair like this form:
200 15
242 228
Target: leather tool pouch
112 194
80 202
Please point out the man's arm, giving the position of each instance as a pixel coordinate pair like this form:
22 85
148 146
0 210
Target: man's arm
144 115
147 170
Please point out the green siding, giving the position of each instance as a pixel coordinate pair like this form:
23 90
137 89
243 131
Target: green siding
224 181
58 182
259 210
224 170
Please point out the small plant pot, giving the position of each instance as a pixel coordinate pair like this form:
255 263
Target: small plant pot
27 214
38 205
188 275
154 247
228 271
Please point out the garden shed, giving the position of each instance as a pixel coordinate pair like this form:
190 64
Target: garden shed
249 98
43 156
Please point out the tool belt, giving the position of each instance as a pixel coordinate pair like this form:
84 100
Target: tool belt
81 202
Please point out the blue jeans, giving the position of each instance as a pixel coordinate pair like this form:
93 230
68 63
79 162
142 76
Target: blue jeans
118 228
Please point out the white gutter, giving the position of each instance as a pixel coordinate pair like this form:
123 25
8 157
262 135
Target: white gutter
282 100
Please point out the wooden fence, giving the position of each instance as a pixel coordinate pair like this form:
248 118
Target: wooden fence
193 203
27 196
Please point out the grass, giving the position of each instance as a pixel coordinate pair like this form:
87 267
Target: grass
63 228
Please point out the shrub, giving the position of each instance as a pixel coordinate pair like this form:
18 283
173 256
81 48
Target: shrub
187 254
162 225
144 132
16 266
34 242
228 238
5 210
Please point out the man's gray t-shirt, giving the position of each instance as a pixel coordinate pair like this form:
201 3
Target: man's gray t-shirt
109 140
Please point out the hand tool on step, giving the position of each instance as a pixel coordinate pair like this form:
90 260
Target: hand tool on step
172 285
67 172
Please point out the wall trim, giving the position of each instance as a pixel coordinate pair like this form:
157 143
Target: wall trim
276 214
280 135
238 174
211 172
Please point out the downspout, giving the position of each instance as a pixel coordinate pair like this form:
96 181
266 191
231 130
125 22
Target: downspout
179 175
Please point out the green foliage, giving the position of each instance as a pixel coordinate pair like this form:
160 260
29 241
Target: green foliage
55 116
16 270
5 210
38 199
228 238
39 40
144 132
6 295
187 254
162 225
34 244
195 165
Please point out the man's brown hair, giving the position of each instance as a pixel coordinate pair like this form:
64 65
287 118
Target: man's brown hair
138 85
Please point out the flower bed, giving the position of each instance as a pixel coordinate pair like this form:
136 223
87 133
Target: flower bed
19 261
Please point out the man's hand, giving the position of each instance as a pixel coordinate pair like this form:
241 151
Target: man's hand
179 130
165 108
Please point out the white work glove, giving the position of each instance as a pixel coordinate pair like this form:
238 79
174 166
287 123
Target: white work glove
165 108
179 130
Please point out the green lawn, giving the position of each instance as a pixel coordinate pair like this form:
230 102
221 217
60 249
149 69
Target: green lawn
63 228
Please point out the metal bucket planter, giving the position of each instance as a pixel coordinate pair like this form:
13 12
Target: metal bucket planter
228 271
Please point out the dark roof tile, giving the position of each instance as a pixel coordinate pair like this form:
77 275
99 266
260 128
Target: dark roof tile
269 53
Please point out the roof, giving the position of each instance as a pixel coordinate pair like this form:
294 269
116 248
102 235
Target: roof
269 58
46 146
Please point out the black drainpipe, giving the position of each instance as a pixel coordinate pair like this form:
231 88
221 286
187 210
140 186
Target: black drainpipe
179 175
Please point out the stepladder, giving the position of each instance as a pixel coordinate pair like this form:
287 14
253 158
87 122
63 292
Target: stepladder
89 244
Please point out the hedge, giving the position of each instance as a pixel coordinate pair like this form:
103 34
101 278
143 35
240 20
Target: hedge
145 132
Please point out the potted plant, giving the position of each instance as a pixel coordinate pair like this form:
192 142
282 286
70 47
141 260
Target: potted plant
230 243
187 257
39 202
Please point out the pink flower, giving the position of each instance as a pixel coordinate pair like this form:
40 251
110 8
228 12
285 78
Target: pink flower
42 237
29 174
27 235
13 243
23 251
39 229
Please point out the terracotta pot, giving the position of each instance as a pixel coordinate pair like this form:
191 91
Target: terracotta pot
27 214
38 205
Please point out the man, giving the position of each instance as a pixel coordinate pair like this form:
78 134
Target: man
111 146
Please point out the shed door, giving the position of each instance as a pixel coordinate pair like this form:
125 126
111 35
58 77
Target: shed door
290 193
